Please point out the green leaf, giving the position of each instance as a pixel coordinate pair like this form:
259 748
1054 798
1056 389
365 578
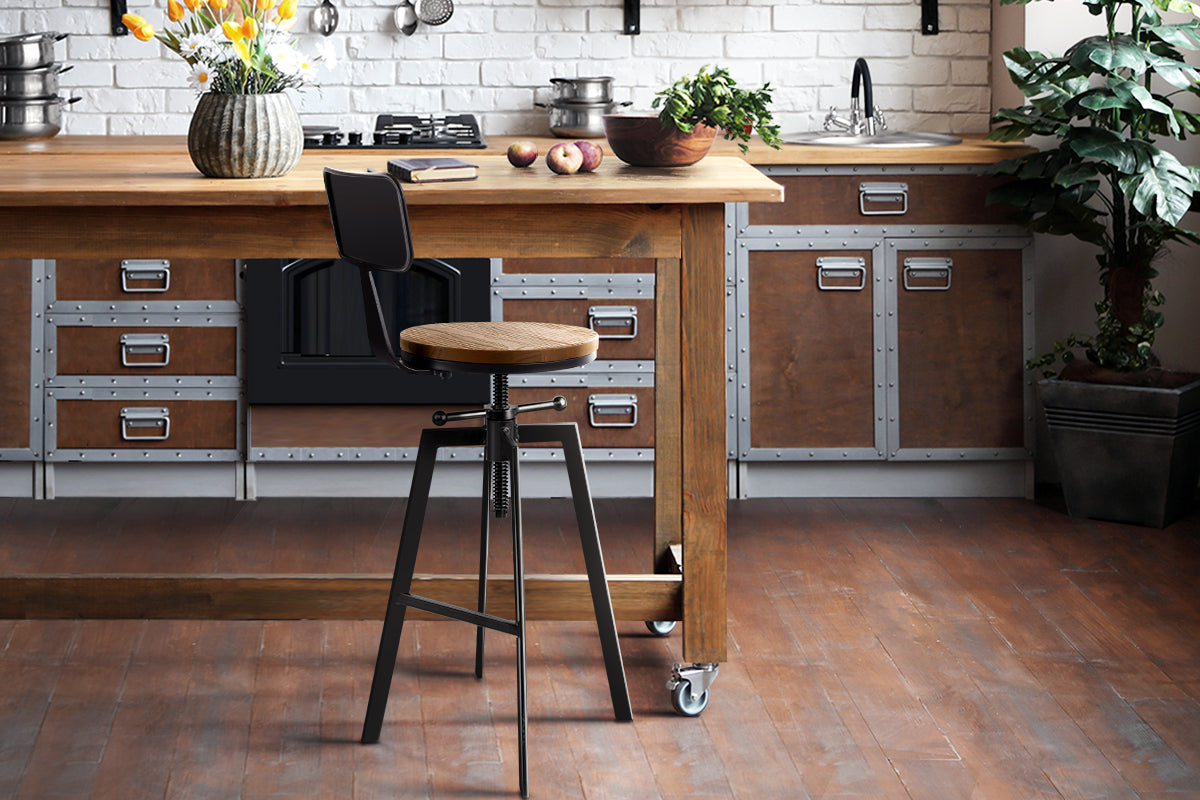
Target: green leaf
1110 55
1165 190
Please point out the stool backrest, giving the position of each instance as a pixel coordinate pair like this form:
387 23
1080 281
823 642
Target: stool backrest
370 220
370 224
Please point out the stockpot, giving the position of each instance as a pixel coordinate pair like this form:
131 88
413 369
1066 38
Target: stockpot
24 84
28 50
580 120
582 90
36 118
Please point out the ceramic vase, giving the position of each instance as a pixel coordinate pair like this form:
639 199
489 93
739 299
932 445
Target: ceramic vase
245 135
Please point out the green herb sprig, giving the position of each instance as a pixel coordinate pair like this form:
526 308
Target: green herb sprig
713 98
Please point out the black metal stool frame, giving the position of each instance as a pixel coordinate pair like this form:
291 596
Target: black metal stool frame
379 202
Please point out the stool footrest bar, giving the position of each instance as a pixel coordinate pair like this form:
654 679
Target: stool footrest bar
457 613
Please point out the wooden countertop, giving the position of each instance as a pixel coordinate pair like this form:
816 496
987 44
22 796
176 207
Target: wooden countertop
99 177
973 150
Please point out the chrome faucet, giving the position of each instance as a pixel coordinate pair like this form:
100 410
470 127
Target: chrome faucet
861 123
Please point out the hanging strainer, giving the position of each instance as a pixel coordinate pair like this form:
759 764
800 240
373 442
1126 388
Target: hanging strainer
434 12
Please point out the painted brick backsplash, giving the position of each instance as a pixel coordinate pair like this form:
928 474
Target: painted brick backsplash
495 58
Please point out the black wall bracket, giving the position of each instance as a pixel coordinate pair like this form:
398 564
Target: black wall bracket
633 17
117 9
929 17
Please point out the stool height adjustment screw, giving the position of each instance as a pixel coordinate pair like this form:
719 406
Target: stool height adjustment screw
500 468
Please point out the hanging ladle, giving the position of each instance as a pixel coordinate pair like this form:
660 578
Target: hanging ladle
406 18
325 18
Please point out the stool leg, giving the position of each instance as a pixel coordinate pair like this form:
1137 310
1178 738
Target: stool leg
519 618
406 559
484 531
585 515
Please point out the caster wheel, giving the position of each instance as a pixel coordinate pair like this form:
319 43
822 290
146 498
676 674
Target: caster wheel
661 627
681 699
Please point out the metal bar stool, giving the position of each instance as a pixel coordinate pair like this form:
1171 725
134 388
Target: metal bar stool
370 223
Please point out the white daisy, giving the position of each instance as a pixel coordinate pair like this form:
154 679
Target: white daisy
201 77
327 54
191 46
284 57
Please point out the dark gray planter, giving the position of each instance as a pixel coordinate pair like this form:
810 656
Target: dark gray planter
1125 453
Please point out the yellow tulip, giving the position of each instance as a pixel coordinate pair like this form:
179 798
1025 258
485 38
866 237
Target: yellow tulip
132 21
287 9
138 26
219 5
242 50
265 5
192 4
175 10
250 28
233 31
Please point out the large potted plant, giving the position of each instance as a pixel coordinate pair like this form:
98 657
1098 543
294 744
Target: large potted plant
242 61
1126 433
692 111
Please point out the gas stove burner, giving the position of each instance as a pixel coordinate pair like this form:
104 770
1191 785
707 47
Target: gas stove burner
429 130
403 131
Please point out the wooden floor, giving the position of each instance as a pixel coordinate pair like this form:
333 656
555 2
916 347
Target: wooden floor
879 649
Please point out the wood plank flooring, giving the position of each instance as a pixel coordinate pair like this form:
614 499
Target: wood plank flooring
878 649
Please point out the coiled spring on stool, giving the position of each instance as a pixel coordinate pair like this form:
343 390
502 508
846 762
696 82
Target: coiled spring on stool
500 497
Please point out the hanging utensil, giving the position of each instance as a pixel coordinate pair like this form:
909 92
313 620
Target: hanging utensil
325 18
406 18
433 12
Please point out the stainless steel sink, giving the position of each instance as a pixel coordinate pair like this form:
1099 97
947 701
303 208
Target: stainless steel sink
885 139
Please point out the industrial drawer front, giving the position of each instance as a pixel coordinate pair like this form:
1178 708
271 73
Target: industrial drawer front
146 350
145 423
880 199
148 280
625 327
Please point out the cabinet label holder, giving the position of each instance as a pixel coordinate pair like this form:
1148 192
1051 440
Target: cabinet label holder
611 405
137 418
928 274
155 345
880 199
841 274
156 270
614 317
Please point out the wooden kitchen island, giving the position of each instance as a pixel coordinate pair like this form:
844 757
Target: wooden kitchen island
61 204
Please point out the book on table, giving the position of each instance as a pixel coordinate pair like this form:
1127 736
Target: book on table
428 170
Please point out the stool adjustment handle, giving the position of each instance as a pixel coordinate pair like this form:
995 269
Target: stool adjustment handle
442 417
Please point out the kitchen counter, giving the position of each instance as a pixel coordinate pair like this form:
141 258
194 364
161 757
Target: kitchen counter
972 150
139 198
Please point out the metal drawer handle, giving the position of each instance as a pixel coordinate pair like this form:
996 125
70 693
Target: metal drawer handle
934 274
614 317
141 418
146 270
841 274
157 345
611 405
887 198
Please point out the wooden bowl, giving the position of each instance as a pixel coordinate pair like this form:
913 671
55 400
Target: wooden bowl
641 140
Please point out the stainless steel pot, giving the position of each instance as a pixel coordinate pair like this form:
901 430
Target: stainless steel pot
24 84
38 118
579 120
582 90
28 50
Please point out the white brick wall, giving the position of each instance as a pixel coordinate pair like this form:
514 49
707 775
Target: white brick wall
495 58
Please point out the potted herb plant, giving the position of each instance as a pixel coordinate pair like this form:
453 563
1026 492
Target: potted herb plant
693 110
1120 425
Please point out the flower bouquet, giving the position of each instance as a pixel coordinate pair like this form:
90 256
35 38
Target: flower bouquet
235 50
242 59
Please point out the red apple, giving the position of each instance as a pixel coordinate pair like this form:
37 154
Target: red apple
592 154
522 153
564 158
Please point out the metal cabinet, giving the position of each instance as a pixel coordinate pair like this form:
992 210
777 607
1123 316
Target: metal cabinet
142 365
883 315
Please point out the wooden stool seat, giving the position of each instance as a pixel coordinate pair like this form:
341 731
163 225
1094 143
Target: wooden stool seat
507 347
